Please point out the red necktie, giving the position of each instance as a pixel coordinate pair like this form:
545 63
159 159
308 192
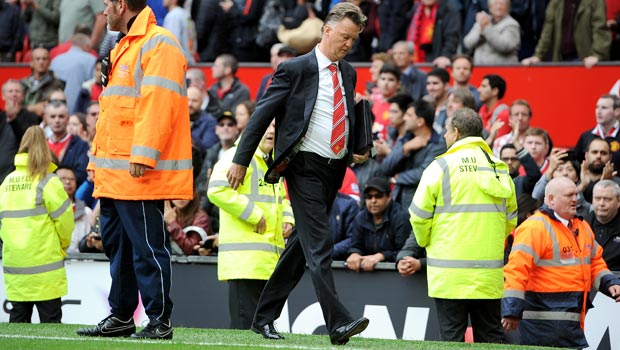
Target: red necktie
338 120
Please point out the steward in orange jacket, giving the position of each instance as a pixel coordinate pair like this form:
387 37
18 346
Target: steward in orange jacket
555 261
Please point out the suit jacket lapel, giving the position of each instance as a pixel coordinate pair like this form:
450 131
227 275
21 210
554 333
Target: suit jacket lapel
311 84
347 81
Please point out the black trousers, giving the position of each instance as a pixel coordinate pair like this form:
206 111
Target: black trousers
313 183
485 315
242 299
50 311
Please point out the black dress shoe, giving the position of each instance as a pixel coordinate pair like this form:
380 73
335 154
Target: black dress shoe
342 334
268 331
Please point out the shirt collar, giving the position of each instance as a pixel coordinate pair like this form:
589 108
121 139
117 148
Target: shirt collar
322 60
562 220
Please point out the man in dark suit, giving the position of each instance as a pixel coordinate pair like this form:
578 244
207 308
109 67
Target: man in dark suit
312 151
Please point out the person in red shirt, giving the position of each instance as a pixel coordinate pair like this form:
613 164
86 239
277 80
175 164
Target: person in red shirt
494 112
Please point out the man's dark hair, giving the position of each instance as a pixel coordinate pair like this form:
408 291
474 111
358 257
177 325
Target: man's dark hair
390 68
506 146
402 100
135 5
440 73
426 110
496 82
230 61
596 138
468 122
66 167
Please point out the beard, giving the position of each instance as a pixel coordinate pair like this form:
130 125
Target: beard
596 168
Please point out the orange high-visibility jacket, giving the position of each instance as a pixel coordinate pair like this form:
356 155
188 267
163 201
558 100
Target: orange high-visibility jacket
548 276
144 118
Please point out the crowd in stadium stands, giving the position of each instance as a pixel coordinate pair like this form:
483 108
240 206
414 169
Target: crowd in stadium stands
66 44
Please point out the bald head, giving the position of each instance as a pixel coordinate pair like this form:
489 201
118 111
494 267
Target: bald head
561 197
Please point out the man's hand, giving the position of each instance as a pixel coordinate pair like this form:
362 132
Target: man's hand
136 170
170 213
370 261
37 108
94 240
235 175
510 323
415 144
261 226
614 291
287 229
408 266
530 61
353 262
590 61
442 62
358 158
608 171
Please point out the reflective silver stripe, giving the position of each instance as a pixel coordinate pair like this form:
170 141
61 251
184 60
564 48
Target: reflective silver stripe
162 83
123 164
556 245
39 194
245 215
470 208
219 183
485 168
287 214
120 90
599 276
574 262
445 182
513 293
266 247
527 250
263 198
144 151
512 215
58 212
35 269
419 212
465 264
595 246
552 316
22 213
155 40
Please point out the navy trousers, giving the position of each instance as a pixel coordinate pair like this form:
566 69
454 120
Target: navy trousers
135 240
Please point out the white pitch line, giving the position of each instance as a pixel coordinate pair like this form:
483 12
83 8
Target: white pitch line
271 344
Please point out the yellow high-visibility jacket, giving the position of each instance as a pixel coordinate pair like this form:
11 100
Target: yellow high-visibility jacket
462 212
243 253
36 222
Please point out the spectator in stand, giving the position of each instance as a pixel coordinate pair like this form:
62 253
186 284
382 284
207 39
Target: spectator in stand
94 86
530 15
412 79
554 263
212 30
228 89
81 213
186 224
243 111
14 121
75 67
494 112
202 124
362 47
180 24
495 38
377 61
42 17
341 218
379 229
435 30
244 17
82 12
256 214
515 159
562 163
613 23
227 133
462 67
537 143
393 23
39 82
573 31
414 152
66 46
70 150
210 103
596 166
519 121
78 126
11 31
52 96
438 85
607 114
387 87
397 128
605 221
278 54
458 99
92 114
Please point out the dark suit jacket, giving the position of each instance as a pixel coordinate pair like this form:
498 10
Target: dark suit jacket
290 99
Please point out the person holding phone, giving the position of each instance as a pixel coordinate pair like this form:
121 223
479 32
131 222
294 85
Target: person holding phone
255 219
